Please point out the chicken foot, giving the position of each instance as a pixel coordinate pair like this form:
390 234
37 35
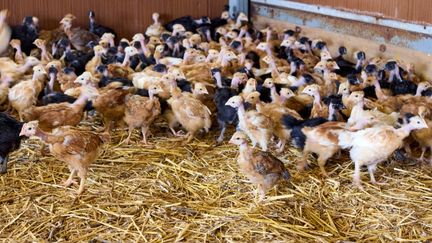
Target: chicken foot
127 140
372 169
70 180
82 175
222 125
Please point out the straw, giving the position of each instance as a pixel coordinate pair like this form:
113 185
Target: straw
194 193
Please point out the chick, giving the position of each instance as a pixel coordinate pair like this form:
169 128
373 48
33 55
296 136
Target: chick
424 136
110 103
256 125
374 145
190 113
24 95
319 109
77 148
275 112
262 168
323 140
141 111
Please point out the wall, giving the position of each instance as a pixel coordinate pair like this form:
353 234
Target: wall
127 17
411 10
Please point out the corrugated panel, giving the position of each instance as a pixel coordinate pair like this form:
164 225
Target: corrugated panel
411 10
127 17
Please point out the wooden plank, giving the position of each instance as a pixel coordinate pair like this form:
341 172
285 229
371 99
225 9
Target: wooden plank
126 17
372 49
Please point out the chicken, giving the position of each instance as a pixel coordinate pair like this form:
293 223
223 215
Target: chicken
9 138
275 112
79 38
357 99
123 70
67 78
110 103
319 109
62 114
79 149
424 136
14 71
156 28
256 125
190 113
262 168
19 55
46 57
141 111
374 145
323 140
24 95
96 60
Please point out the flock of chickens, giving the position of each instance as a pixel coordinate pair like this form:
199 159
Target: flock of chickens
197 75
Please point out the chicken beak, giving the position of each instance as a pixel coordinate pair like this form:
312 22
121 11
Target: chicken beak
22 133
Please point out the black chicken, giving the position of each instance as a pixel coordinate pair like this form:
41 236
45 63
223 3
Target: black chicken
9 138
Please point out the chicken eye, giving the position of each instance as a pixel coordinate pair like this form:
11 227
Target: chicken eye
345 89
238 138
200 89
418 122
356 96
29 128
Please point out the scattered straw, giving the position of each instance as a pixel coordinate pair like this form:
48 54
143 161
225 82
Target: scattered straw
171 192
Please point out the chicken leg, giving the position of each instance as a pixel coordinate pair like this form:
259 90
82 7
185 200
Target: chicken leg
422 154
127 140
3 164
70 180
356 177
372 169
144 131
82 175
222 125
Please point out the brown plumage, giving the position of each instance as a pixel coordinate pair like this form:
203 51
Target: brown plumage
262 168
190 112
77 148
141 111
110 103
275 112
61 114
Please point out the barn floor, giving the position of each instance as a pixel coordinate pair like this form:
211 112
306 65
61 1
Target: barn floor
194 193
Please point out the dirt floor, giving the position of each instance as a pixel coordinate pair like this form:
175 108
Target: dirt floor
194 193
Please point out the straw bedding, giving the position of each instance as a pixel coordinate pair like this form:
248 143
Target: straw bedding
194 193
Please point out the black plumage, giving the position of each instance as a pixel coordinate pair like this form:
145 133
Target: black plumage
9 138
297 136
27 33
96 28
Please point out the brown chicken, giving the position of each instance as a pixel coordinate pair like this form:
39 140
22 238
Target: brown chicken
110 103
77 148
141 111
262 168
61 114
190 112
275 112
